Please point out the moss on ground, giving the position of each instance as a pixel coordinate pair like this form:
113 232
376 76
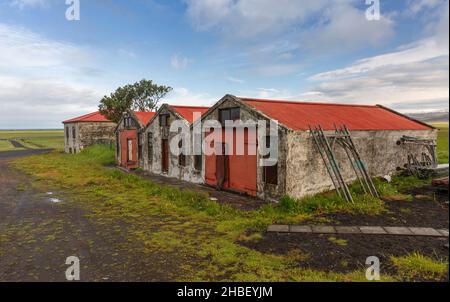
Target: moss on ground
203 234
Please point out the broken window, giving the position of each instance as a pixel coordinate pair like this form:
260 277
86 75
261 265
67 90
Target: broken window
181 157
198 162
229 114
164 120
150 146
67 133
270 172
73 132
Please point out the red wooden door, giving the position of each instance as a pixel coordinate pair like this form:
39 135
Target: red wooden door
234 172
128 149
243 167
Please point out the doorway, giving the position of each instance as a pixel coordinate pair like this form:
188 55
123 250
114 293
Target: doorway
165 155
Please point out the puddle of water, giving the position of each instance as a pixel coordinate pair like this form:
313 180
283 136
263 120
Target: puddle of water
55 200
49 193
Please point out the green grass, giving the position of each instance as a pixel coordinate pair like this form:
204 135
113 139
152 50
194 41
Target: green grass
6 146
36 139
442 143
202 235
418 267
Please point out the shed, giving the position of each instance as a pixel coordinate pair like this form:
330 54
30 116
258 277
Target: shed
299 170
129 146
158 157
86 130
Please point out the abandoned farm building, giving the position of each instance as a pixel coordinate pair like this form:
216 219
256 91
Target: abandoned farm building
157 157
87 130
300 170
129 141
143 141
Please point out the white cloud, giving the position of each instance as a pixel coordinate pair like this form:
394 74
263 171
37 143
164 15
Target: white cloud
322 23
21 48
234 80
183 96
43 102
179 62
415 6
344 27
38 80
412 77
417 52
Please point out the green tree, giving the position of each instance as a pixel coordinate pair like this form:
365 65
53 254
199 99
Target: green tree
140 96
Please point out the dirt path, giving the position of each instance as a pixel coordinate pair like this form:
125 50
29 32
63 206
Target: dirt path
20 153
16 144
37 235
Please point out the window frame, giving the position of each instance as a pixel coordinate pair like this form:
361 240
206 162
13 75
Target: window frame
166 118
229 111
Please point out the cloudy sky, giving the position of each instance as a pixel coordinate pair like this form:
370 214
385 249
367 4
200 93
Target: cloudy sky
52 69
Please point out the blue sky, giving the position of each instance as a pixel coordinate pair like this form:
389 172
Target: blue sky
52 69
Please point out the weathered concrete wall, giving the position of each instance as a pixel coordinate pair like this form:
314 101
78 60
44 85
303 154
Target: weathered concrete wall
264 190
306 172
88 134
153 163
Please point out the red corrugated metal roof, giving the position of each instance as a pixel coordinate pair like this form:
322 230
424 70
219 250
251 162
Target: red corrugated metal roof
90 117
188 111
144 117
299 115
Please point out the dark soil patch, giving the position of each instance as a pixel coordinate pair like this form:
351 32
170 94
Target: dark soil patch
22 153
427 209
36 237
324 254
16 144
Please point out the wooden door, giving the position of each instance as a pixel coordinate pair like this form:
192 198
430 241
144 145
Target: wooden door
222 168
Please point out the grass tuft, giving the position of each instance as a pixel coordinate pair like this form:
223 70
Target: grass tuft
416 267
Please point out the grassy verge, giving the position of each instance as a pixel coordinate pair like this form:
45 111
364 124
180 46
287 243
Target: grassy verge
442 143
416 267
201 234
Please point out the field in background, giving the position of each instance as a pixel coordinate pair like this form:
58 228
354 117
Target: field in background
32 139
443 145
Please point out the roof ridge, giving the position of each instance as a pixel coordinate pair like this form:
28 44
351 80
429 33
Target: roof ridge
187 106
303 102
